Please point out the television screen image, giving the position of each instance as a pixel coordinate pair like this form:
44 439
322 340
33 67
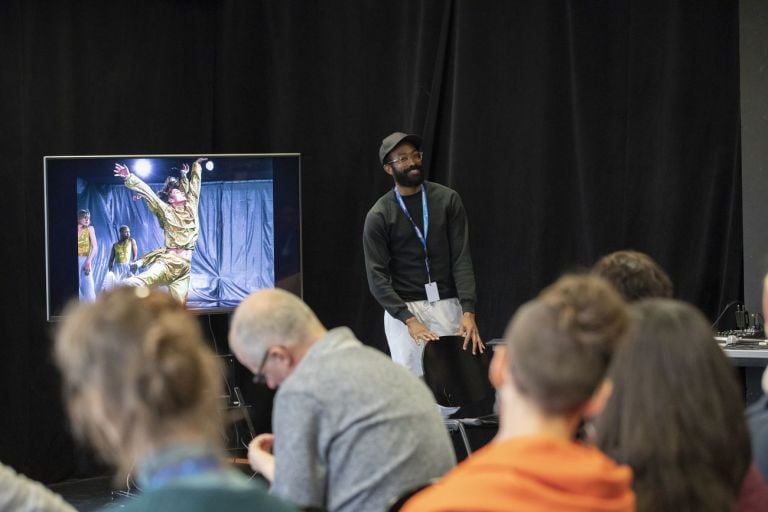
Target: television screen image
209 229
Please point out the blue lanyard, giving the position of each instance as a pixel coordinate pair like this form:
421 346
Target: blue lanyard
187 467
422 236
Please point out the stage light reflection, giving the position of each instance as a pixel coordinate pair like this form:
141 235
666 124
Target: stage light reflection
142 167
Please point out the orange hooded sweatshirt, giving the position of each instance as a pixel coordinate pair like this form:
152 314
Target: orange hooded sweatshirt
531 474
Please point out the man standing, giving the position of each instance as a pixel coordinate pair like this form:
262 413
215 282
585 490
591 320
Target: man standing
124 252
87 246
352 430
176 210
417 257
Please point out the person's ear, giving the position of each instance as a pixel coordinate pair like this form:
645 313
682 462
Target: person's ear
600 397
284 357
497 372
281 353
388 169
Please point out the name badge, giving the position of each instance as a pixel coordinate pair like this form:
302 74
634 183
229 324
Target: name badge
432 294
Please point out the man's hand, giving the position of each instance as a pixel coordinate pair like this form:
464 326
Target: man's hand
121 170
419 331
468 329
87 267
260 455
200 160
184 169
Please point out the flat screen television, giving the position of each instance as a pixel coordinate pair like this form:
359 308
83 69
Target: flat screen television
235 229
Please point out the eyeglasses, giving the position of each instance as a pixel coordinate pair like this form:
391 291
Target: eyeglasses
259 377
415 157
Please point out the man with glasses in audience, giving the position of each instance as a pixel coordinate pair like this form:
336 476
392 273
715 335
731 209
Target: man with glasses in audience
417 258
352 429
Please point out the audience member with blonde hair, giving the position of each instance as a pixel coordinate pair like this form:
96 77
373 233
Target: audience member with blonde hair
676 415
142 387
549 375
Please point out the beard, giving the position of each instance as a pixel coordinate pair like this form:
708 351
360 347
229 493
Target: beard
406 179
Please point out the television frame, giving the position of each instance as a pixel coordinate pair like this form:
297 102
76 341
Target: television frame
282 186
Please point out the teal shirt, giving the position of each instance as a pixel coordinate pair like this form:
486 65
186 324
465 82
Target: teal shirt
210 488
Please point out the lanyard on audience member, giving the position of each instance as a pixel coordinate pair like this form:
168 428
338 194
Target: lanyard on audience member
422 236
193 466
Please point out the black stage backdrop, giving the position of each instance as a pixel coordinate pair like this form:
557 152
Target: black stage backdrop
570 129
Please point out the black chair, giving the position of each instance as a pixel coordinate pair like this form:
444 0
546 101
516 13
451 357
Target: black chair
457 378
237 411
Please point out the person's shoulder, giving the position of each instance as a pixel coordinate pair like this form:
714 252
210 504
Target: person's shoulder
465 486
341 353
439 187
373 365
384 202
757 415
441 191
382 209
760 406
209 498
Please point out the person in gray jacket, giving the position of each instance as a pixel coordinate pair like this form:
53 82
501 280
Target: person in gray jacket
352 429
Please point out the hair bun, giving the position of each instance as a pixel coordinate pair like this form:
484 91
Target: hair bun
169 380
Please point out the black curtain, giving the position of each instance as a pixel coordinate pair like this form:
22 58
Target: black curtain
573 129
570 129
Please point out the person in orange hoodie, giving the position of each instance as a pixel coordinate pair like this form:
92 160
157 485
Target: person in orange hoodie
548 376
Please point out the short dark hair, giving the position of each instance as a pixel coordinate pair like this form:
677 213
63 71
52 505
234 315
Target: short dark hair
123 227
676 414
635 274
561 344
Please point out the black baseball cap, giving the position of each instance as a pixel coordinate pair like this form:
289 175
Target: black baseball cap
390 142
